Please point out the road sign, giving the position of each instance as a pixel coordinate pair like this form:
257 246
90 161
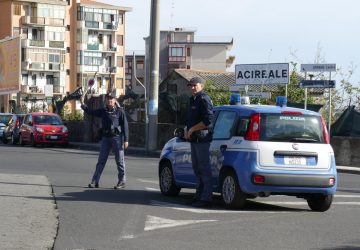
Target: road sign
261 95
272 73
235 88
318 67
317 84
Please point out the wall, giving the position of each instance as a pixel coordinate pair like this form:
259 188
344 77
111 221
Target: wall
208 57
346 150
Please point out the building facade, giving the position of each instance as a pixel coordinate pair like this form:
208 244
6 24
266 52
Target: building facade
182 49
64 44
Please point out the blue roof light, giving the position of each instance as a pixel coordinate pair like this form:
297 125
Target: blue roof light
281 101
235 99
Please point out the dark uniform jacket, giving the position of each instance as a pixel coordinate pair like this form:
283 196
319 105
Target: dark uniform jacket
200 110
113 121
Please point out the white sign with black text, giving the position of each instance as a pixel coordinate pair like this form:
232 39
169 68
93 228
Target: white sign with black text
271 73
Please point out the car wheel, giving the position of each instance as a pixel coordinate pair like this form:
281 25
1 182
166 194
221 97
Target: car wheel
166 180
32 141
21 141
13 141
319 202
232 196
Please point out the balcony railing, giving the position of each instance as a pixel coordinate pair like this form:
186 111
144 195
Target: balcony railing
37 43
93 46
58 89
42 21
56 44
91 24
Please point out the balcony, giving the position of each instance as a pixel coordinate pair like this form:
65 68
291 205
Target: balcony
56 44
58 89
93 46
33 20
31 89
91 24
37 43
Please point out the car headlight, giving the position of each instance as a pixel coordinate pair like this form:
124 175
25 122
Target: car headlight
64 129
38 129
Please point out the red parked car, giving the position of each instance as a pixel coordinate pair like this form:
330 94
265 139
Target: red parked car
43 128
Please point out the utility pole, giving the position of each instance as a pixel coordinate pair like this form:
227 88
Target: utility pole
154 74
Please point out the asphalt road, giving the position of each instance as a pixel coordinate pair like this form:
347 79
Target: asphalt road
139 217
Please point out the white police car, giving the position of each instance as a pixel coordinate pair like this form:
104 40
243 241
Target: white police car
257 151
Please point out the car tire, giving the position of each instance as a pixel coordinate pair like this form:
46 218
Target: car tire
32 141
167 181
319 202
233 197
21 141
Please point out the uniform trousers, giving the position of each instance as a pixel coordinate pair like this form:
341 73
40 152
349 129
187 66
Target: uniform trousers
200 158
116 143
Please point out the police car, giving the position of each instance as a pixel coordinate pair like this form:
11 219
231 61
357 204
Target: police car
258 151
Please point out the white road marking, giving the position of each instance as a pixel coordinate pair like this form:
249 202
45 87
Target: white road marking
153 223
148 181
206 211
151 189
347 196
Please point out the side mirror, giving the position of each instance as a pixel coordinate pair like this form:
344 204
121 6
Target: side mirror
180 133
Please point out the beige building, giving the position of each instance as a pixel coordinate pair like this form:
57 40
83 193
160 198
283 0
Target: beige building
64 44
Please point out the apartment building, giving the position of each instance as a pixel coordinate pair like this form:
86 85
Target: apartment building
182 49
100 48
135 71
64 44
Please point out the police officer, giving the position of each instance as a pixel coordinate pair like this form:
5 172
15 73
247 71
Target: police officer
199 117
115 134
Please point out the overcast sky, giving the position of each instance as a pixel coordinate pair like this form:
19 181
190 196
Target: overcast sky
264 31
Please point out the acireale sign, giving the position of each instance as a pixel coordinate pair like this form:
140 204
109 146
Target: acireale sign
272 73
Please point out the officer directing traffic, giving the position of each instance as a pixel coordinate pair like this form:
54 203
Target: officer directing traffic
199 118
115 135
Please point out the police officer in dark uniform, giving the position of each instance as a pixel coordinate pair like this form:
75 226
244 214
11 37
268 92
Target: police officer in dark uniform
115 135
199 118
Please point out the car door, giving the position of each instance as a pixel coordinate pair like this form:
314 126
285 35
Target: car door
222 140
25 128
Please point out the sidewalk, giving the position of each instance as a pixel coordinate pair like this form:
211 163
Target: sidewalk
29 218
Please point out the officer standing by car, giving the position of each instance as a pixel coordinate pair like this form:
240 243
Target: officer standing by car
199 117
115 135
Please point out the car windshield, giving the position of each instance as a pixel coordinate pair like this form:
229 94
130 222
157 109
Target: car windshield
5 119
291 128
48 120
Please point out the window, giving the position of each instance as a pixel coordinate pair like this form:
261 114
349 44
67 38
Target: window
176 54
242 127
224 124
140 64
54 58
121 18
188 52
17 9
120 40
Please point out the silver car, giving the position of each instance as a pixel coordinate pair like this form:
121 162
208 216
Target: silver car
4 119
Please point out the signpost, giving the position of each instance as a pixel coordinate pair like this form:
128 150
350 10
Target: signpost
318 83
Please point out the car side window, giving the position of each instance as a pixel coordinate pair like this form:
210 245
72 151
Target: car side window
242 126
224 124
26 120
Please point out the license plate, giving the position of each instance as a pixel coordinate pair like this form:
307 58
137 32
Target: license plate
294 160
53 137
